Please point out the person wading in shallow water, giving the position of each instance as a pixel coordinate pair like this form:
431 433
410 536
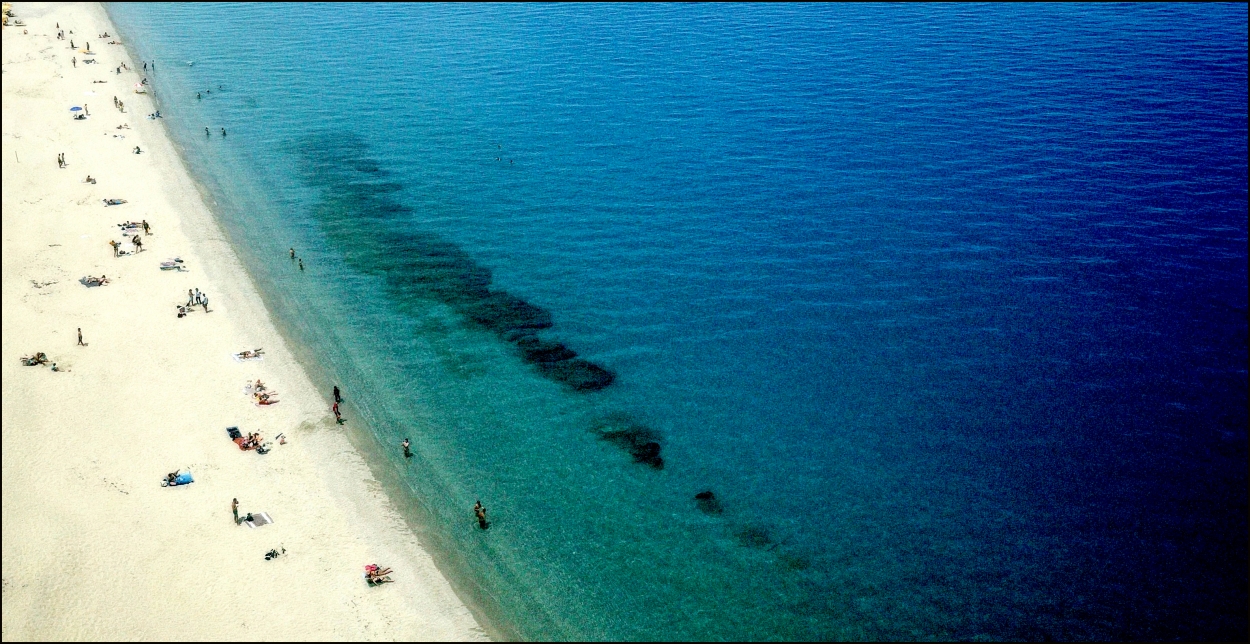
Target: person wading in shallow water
481 515
337 397
407 452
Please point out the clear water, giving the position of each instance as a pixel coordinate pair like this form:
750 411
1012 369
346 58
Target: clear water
946 304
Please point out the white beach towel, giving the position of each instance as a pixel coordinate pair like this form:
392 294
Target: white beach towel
259 519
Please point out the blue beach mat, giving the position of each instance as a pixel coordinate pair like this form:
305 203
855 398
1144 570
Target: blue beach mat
182 479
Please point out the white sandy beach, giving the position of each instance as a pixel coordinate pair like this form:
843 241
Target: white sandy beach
93 546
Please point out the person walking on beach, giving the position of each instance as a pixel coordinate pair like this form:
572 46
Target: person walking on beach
85 110
204 301
197 296
114 244
138 243
234 509
481 515
337 397
338 418
147 230
74 60
190 297
407 452
80 342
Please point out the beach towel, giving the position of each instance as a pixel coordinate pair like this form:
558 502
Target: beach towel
234 432
259 519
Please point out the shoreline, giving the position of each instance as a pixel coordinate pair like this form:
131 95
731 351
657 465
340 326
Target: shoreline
151 393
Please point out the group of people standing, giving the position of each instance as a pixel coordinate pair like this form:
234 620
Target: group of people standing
197 298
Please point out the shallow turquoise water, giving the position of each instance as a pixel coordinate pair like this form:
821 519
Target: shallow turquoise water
946 304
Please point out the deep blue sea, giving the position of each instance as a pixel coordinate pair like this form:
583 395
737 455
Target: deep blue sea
945 304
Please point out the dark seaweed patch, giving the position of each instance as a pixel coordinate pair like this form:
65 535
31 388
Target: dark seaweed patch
358 210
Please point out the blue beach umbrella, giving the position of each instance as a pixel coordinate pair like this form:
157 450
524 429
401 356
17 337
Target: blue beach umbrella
75 109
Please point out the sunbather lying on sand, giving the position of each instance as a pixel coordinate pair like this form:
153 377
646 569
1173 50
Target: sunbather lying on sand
37 359
265 399
95 281
114 202
377 575
249 355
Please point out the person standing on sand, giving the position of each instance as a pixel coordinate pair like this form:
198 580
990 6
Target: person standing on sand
234 509
74 60
85 110
190 297
204 301
338 418
114 244
80 342
147 230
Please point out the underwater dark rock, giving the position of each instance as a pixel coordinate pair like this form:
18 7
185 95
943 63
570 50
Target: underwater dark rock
579 374
649 453
500 312
708 503
538 350
359 202
754 537
640 441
